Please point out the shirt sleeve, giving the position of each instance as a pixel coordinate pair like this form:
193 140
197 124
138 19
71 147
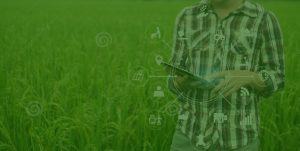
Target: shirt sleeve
179 50
272 55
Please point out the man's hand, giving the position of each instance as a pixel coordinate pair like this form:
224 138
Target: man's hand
234 80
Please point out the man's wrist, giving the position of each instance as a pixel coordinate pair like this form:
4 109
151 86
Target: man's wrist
257 81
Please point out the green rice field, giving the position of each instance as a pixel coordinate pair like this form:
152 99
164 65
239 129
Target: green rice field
66 71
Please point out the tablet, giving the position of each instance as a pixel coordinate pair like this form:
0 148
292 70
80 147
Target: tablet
171 69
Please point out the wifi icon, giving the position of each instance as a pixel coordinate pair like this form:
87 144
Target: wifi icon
244 92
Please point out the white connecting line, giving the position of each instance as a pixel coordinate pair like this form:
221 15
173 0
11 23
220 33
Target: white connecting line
153 76
239 76
226 99
167 44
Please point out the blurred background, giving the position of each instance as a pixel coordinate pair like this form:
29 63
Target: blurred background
82 75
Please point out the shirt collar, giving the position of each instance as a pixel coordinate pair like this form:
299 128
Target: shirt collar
248 8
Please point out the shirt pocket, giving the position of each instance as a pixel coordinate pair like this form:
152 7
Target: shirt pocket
242 42
241 47
240 51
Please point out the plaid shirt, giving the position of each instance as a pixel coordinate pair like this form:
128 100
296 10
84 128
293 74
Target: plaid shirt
247 39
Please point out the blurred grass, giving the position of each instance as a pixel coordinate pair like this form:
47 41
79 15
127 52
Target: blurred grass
49 54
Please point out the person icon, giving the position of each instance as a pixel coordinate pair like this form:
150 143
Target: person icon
158 92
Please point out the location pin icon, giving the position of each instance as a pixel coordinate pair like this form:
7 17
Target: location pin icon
158 59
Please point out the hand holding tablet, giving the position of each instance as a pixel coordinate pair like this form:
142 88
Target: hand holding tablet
188 79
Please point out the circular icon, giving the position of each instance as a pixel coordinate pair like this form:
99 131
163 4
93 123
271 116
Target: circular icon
103 39
172 108
34 108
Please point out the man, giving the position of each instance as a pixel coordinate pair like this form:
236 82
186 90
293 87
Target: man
240 43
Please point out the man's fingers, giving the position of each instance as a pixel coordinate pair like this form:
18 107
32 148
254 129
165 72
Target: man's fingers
237 86
225 88
229 89
219 87
232 90
217 75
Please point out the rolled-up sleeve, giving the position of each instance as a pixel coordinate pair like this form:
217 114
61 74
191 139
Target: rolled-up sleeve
272 55
179 50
